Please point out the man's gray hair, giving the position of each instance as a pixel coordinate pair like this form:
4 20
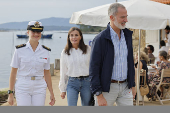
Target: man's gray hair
113 9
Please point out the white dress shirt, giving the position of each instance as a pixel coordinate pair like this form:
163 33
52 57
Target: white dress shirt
74 65
30 63
120 67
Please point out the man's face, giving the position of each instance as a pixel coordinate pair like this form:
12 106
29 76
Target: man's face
121 18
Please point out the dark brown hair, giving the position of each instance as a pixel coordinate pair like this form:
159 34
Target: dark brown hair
68 46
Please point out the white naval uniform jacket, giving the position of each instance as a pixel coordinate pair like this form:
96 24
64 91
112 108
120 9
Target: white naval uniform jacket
30 63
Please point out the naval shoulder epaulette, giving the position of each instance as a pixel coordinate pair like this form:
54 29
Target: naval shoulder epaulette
20 46
46 48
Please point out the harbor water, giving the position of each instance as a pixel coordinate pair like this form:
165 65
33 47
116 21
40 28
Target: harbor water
8 41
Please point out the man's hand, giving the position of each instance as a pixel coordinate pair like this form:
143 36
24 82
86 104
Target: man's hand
101 100
133 91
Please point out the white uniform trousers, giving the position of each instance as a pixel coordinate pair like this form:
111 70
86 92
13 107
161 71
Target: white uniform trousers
30 92
119 93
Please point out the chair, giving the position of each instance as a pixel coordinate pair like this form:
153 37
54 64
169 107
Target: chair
165 73
143 81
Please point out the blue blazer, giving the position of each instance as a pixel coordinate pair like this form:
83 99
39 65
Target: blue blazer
102 61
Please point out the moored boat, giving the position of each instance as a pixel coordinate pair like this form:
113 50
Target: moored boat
47 36
22 36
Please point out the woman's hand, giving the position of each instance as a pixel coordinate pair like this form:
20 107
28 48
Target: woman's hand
12 80
153 66
52 98
158 63
11 99
63 94
47 76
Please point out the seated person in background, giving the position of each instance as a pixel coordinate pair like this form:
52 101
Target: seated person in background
163 48
145 50
151 57
143 64
169 54
154 78
167 36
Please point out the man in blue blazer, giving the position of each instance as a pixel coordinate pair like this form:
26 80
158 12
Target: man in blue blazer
111 64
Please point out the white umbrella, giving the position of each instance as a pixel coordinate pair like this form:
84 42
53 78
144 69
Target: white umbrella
142 14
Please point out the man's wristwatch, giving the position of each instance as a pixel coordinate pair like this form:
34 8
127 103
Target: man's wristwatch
9 92
98 93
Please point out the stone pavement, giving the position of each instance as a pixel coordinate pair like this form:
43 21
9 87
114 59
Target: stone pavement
59 101
63 102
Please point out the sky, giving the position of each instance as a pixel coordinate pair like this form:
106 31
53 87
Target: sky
27 10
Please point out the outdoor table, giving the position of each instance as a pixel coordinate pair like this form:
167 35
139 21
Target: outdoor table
150 69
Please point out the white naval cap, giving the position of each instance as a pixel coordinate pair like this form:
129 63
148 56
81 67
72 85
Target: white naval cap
33 22
35 26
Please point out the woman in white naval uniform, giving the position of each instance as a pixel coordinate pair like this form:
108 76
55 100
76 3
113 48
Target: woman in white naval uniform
74 69
30 62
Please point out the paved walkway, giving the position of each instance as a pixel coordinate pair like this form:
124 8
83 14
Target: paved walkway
63 102
59 101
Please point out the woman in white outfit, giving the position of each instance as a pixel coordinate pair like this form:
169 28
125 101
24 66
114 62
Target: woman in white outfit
74 69
30 65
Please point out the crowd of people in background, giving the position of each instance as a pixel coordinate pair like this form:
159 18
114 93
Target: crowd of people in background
105 70
159 62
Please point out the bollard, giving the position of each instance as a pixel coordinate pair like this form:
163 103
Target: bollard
57 64
52 69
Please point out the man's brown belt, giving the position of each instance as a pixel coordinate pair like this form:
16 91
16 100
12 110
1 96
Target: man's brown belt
114 81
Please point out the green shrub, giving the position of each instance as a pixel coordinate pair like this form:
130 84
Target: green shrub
3 96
